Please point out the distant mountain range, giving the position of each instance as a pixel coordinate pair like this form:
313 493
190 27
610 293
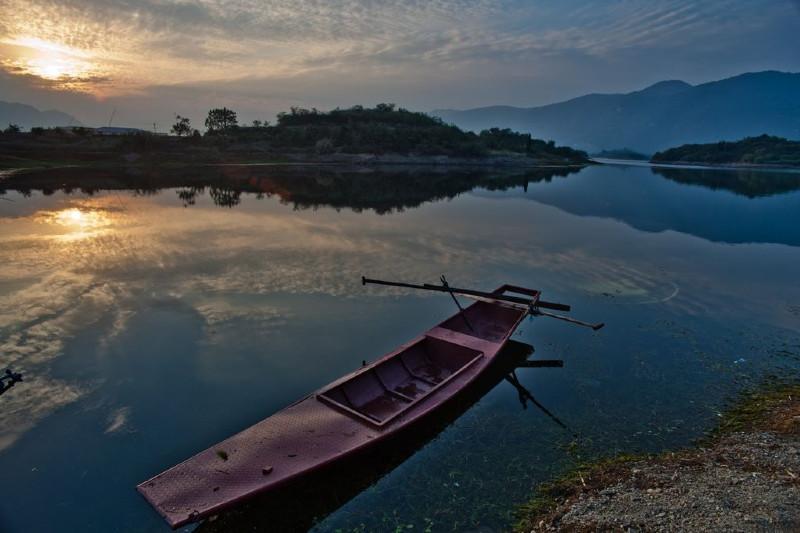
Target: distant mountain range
664 115
26 116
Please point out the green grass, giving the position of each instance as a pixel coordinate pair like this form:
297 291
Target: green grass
751 411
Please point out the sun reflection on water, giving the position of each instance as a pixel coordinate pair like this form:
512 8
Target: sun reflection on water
79 222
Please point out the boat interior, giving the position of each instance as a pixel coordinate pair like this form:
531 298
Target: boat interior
487 321
382 392
379 394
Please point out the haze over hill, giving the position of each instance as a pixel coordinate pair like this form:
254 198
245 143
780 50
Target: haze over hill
664 115
26 116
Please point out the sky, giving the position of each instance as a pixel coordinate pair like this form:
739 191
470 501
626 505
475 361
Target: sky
147 60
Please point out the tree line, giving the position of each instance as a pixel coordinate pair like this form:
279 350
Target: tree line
761 150
381 129
218 120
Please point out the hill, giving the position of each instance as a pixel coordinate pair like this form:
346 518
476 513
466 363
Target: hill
762 150
383 134
27 117
386 129
666 114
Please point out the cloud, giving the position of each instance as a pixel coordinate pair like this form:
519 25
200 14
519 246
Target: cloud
37 324
151 58
118 420
31 401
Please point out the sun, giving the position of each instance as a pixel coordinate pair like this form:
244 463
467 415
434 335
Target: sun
53 61
51 68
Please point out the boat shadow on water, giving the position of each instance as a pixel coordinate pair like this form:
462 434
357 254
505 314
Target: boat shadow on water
299 505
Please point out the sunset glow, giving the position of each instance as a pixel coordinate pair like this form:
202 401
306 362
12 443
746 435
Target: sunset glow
151 60
65 67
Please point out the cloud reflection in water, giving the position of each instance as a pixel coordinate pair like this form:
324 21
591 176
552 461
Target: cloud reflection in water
159 301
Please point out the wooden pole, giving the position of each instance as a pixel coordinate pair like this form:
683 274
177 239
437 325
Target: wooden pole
467 292
571 320
460 309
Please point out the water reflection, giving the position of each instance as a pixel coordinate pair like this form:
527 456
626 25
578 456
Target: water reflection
383 191
717 205
9 379
164 329
78 222
525 396
762 210
751 183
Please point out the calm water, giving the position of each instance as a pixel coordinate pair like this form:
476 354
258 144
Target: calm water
152 323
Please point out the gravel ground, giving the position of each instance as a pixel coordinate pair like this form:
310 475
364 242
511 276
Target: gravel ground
746 480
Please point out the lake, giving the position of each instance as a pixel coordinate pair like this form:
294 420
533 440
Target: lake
154 312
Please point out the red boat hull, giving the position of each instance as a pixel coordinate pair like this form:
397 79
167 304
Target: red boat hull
348 416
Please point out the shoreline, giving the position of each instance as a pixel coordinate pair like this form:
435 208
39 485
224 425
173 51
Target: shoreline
355 161
694 165
744 476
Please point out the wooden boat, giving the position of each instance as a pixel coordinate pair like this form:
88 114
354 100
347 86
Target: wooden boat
350 415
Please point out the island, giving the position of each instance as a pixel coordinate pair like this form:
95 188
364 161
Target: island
764 150
384 134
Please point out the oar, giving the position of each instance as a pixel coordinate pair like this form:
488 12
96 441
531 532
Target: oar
439 288
571 320
531 304
534 310
467 292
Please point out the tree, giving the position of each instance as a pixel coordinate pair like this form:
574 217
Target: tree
12 128
221 119
182 126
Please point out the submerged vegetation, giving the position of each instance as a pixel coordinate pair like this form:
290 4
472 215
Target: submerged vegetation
762 150
384 133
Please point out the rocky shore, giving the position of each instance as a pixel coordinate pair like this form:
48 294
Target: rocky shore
744 477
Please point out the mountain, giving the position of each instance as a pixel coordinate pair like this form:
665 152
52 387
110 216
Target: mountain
667 114
27 116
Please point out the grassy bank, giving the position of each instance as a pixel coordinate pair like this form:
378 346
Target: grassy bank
743 475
